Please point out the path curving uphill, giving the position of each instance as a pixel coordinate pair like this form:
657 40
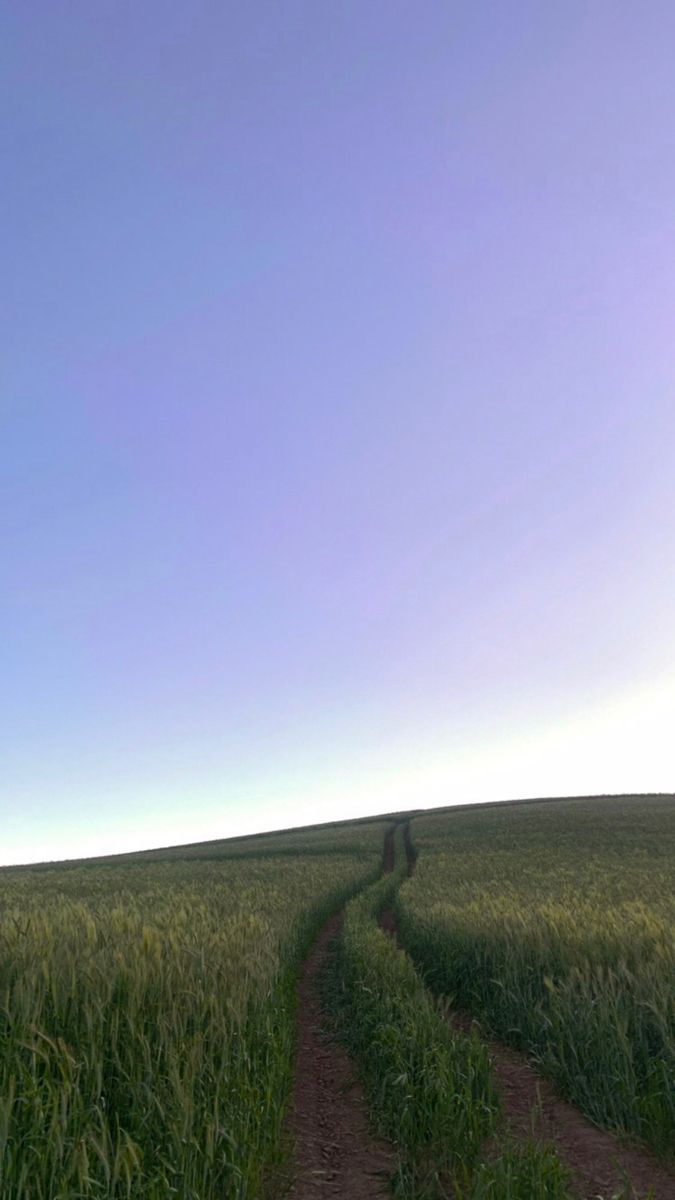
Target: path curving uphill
599 1162
335 1154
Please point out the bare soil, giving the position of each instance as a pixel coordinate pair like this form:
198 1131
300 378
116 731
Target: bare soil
599 1162
335 1154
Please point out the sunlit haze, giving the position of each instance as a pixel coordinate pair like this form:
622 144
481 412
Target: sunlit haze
338 427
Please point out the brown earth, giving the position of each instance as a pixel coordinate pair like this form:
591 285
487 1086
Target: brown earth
335 1154
600 1164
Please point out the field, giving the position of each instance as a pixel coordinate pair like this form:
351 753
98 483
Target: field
146 1014
555 923
148 1003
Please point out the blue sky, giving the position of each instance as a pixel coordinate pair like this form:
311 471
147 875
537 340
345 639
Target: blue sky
337 412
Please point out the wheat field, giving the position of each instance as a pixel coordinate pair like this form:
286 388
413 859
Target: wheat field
555 923
146 1015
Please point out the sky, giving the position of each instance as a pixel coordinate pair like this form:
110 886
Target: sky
337 424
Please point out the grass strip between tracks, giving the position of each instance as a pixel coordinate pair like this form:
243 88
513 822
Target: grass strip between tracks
430 1089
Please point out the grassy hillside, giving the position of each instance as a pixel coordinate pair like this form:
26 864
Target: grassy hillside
555 922
146 1015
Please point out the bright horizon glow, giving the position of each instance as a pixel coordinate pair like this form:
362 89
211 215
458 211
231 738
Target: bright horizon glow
338 430
618 749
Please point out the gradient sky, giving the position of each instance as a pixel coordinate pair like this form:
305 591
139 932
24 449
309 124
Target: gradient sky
338 420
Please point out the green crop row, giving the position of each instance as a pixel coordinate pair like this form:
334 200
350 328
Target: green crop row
555 924
430 1088
147 1018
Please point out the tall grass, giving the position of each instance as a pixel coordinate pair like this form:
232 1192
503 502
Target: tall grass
555 923
529 1172
147 1019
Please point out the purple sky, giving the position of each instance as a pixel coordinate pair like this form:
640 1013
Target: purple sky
338 426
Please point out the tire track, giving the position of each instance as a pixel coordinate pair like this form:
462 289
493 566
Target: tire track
599 1162
335 1154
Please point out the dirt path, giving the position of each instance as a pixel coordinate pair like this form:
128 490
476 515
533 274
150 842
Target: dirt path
599 1162
335 1154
